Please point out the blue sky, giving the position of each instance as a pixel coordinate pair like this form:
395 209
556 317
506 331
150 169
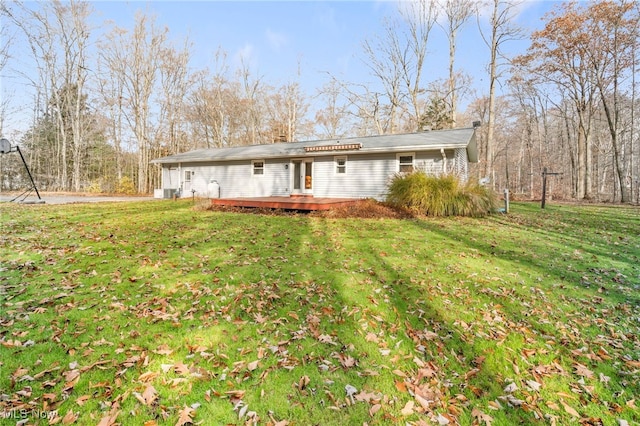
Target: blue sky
321 36
273 37
278 38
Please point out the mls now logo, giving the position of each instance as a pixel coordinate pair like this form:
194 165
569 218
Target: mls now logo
29 414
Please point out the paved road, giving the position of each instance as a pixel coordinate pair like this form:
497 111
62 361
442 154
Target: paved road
52 198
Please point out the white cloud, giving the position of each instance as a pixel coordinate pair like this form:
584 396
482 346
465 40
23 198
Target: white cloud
276 40
245 55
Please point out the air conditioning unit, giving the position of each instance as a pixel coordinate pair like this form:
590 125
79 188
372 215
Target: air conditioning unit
169 193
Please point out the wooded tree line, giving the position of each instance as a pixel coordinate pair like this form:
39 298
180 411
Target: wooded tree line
110 99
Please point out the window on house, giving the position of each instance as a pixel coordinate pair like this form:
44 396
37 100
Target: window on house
341 165
258 167
405 163
187 175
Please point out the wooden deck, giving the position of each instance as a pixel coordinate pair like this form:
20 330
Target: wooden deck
285 203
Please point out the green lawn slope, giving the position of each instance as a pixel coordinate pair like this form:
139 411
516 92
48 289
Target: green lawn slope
158 313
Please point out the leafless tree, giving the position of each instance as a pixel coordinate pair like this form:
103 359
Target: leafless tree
501 30
333 117
420 17
5 42
457 13
612 33
383 56
134 58
58 35
175 83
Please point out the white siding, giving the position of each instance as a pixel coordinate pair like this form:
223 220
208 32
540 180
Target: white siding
170 177
367 176
236 179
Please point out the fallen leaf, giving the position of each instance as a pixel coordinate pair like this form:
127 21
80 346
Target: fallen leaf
371 337
482 417
374 409
163 350
494 405
303 382
424 403
325 338
19 372
71 375
408 409
82 399
582 370
180 368
111 417
148 376
553 405
442 420
148 396
69 418
401 386
347 361
570 410
399 373
242 412
533 385
511 388
186 416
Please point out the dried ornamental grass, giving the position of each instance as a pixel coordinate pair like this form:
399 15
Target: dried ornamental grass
440 195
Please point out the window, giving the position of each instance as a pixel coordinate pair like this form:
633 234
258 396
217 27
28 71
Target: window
258 167
405 163
341 165
187 176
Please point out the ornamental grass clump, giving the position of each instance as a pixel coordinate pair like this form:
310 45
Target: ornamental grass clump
440 195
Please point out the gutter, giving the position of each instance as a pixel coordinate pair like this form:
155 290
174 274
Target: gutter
312 154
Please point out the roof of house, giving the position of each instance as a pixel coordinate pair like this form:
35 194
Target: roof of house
431 140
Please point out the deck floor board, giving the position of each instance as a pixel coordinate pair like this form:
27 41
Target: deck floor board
285 203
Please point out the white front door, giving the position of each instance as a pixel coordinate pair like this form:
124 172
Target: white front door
186 183
302 176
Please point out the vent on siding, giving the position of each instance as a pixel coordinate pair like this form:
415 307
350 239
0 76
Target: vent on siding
461 167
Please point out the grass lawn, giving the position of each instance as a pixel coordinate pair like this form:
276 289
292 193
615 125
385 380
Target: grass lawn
159 313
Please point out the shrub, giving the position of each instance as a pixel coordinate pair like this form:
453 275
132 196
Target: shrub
95 187
440 195
125 186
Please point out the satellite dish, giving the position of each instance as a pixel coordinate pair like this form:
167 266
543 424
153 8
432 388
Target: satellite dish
5 146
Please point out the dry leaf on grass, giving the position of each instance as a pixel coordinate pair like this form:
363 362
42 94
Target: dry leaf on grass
186 416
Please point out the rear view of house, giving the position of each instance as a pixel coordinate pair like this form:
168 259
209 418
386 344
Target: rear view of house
358 167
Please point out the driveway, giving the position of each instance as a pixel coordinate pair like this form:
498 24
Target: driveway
61 198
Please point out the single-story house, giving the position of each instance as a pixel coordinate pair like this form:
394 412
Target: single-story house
359 167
